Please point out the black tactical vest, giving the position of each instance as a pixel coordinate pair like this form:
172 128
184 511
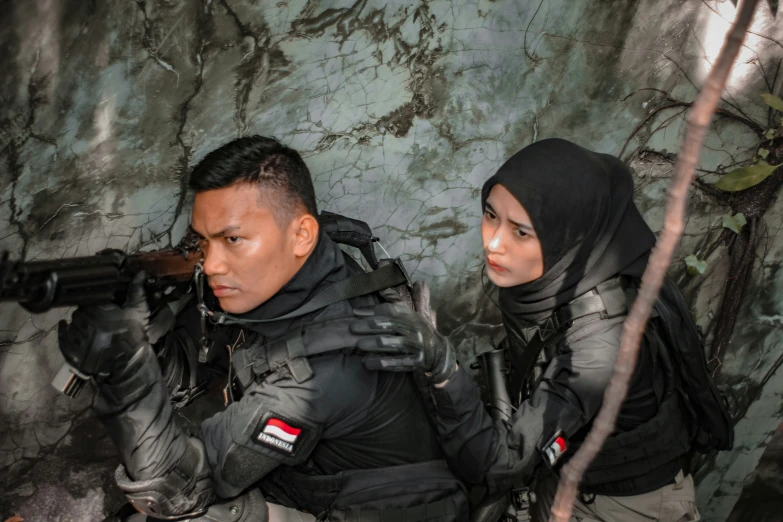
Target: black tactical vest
649 456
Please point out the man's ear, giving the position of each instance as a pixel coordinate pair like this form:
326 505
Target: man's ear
305 229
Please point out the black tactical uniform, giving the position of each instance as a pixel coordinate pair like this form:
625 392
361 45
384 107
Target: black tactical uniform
559 401
320 434
557 375
564 329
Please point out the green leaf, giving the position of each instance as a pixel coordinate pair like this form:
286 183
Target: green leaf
745 177
769 134
735 222
773 101
763 153
695 265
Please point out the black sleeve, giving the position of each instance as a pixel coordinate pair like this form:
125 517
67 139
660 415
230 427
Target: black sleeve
164 471
135 408
567 398
277 421
280 421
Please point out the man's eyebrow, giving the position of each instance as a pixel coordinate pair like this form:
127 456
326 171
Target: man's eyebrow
223 233
192 232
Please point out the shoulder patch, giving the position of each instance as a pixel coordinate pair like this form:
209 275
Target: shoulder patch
281 434
555 449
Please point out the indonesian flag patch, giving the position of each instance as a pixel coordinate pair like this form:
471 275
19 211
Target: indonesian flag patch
556 450
279 434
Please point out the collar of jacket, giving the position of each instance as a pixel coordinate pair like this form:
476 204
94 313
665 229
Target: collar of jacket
326 265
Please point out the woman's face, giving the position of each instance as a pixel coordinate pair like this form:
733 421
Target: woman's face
511 246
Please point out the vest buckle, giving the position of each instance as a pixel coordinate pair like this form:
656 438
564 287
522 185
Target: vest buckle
521 499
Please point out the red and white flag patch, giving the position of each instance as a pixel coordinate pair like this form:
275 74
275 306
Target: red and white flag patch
280 435
556 450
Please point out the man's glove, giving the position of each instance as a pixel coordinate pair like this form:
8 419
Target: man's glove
101 339
400 340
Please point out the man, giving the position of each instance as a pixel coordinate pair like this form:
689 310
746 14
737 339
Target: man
321 433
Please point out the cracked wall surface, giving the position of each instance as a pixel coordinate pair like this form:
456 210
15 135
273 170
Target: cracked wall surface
401 109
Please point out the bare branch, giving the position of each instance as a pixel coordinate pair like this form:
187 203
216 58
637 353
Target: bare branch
755 127
699 118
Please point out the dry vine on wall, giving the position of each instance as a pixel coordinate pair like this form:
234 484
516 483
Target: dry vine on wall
698 118
747 191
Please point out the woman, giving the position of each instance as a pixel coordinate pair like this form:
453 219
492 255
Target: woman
566 246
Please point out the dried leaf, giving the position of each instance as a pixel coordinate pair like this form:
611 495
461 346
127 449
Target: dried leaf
695 265
15 519
769 134
763 153
735 222
745 177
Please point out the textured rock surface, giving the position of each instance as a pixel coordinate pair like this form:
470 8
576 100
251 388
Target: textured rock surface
402 109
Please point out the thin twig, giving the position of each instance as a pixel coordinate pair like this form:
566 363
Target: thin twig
699 118
755 127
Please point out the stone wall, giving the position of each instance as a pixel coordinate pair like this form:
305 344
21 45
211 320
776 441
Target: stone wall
401 109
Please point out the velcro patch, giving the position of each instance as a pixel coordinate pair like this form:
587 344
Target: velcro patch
279 434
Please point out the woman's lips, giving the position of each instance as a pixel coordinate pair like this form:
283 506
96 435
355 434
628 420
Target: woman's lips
496 267
222 291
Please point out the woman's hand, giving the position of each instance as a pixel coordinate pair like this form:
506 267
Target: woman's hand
398 339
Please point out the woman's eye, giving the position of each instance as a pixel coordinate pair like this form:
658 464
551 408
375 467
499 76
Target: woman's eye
520 233
489 214
233 240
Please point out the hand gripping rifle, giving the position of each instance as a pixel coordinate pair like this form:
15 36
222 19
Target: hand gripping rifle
102 278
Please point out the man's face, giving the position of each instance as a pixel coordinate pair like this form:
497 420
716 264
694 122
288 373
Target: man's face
248 255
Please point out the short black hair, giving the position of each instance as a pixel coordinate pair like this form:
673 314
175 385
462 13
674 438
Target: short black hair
264 162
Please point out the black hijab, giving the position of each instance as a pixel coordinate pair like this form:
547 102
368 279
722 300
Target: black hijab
581 206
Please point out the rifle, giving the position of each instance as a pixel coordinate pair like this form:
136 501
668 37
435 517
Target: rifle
39 286
503 505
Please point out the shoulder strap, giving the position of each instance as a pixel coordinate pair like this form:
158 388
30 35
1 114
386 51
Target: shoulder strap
295 347
351 232
524 360
355 286
608 300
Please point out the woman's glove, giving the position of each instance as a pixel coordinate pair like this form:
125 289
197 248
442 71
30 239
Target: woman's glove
400 340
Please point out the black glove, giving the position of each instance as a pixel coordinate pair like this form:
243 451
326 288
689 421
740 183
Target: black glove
402 340
101 339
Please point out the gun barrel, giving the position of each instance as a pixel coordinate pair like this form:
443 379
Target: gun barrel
100 279
103 278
